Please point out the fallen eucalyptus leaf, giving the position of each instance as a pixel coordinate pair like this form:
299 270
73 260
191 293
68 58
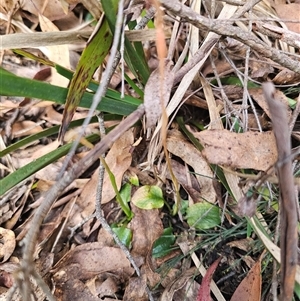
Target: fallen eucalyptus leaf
239 150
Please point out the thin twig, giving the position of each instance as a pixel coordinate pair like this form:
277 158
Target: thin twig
27 264
102 87
102 219
229 30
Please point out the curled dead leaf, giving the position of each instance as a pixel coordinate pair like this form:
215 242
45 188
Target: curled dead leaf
178 146
157 93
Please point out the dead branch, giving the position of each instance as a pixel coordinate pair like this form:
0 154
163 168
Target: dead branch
27 266
228 30
288 210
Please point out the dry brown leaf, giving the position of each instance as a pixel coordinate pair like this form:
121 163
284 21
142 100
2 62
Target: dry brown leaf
52 115
136 290
73 289
180 172
52 11
260 69
242 244
258 96
179 283
178 146
145 235
25 128
18 200
244 150
250 288
289 12
118 159
8 244
147 227
188 292
93 6
8 6
204 291
7 105
157 93
90 259
85 204
288 208
286 76
108 286
6 279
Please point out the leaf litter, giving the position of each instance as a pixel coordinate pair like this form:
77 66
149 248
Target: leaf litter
89 265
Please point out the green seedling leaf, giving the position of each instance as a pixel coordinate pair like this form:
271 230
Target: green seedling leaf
249 230
164 245
125 193
124 234
26 171
184 206
123 204
148 197
203 216
292 103
134 180
92 57
36 58
236 125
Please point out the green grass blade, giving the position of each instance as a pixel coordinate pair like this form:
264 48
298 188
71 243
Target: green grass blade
92 57
26 171
46 133
12 85
134 59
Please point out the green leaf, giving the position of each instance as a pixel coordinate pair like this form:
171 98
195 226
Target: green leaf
297 289
12 85
148 197
92 57
135 59
124 234
46 133
203 216
292 103
164 245
123 204
125 193
134 180
26 171
235 81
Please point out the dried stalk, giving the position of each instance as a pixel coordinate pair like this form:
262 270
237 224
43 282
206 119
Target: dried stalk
288 209
228 30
